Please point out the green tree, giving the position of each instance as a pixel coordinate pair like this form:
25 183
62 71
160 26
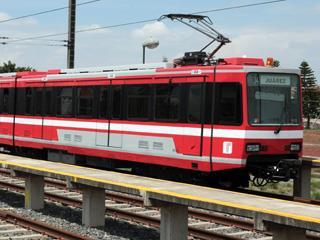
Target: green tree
11 67
310 95
276 63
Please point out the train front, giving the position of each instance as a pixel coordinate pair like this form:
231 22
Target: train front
274 134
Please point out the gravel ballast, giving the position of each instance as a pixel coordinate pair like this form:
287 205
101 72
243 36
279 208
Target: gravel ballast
69 219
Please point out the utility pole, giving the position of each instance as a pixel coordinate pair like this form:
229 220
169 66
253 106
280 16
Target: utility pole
71 33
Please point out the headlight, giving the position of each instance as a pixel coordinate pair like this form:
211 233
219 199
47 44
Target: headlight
253 147
295 147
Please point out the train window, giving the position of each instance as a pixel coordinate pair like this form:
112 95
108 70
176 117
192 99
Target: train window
194 103
228 104
38 101
1 100
48 103
138 101
5 101
208 103
64 102
28 103
116 101
85 102
167 102
21 101
103 101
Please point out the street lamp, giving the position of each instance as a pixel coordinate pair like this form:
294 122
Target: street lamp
151 44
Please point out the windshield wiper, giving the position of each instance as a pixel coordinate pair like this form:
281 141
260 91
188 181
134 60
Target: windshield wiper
284 109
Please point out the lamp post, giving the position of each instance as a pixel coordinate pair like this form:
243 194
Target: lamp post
151 44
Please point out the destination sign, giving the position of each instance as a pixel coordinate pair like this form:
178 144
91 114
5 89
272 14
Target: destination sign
275 80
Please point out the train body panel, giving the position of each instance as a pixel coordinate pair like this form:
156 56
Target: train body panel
202 118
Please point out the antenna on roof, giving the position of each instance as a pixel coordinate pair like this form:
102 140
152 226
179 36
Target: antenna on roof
201 24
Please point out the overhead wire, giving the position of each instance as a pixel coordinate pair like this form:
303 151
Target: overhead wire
142 21
36 44
45 12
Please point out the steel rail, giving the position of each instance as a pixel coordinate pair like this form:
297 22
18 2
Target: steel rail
242 223
39 227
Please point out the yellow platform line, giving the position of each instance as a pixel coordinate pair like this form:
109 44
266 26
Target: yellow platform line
5 164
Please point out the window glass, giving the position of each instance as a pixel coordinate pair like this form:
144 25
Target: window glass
21 101
5 103
138 101
167 105
116 101
49 108
208 103
38 101
273 99
194 103
28 99
103 101
228 104
64 101
85 101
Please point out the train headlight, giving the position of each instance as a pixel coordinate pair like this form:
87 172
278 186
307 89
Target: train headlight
295 147
253 147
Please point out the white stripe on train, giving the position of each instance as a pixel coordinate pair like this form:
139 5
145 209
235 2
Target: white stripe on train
171 130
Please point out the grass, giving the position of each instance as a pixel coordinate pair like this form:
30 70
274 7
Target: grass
286 187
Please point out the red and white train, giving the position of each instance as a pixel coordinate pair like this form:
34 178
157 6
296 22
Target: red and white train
228 119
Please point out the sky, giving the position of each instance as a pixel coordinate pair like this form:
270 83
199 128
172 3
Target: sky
287 31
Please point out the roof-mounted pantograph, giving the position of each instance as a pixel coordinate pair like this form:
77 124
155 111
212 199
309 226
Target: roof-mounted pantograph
201 24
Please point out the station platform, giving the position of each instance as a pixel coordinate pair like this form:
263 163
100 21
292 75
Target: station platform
173 198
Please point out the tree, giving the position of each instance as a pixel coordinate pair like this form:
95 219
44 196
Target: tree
310 95
276 63
11 67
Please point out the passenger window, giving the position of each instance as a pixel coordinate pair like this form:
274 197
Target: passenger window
65 102
85 102
116 101
38 101
103 101
48 96
138 102
28 102
228 104
21 101
5 101
194 103
167 102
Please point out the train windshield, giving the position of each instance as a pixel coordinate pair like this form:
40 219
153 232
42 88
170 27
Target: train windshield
273 99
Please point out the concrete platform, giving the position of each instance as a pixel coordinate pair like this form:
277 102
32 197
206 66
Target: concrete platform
268 213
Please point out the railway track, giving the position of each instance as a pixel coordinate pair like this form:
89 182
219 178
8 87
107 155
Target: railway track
202 224
16 227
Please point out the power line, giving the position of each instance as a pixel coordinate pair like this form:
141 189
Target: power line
35 44
242 6
47 11
40 39
143 21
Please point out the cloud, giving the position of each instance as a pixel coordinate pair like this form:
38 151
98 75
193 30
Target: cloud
97 27
155 29
4 16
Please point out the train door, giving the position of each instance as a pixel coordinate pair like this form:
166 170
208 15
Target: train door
193 129
6 116
28 112
103 122
37 131
115 125
226 116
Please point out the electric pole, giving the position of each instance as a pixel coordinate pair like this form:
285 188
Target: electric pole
71 33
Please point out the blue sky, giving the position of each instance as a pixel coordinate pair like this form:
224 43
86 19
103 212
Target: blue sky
287 31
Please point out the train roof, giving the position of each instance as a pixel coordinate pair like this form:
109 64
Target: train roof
234 64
